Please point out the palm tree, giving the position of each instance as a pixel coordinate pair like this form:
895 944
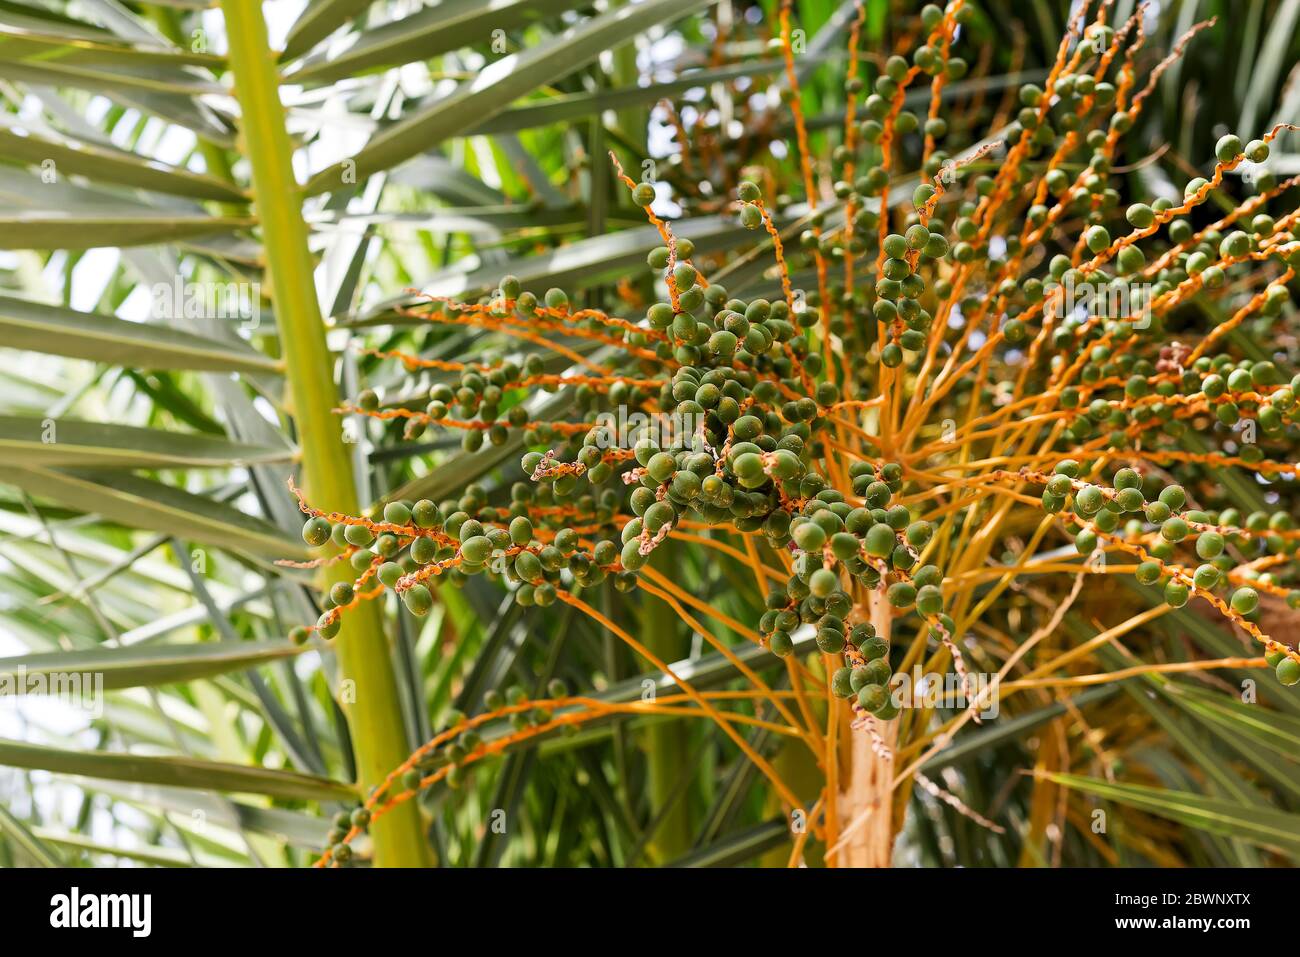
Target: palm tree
215 236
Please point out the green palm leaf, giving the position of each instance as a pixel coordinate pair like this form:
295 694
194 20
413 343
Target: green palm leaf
174 771
38 327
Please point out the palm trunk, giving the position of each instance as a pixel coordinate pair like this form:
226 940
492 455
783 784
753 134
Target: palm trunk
373 705
868 781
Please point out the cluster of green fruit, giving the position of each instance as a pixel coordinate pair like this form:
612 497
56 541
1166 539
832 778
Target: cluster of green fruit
462 741
740 373
905 285
755 374
1099 512
836 542
1234 390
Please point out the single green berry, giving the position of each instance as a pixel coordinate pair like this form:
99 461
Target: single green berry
1173 496
316 531
1206 577
1140 215
397 513
880 541
1245 600
1174 529
1228 148
1148 573
872 697
358 535
418 599
1209 545
823 582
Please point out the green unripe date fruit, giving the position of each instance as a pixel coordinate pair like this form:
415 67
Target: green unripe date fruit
901 594
389 573
1173 496
423 551
822 582
1130 500
1176 594
631 557
873 648
919 533
658 515
880 541
844 545
929 600
327 628
521 531
1174 530
1097 239
528 567
872 697
1228 148
475 550
396 513
316 531
858 678
417 599
1089 500
1209 545
829 641
877 672
1206 577
810 537
1245 600
425 514
1148 573
358 535
1140 215
1156 512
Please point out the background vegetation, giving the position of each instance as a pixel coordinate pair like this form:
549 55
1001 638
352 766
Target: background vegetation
442 147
